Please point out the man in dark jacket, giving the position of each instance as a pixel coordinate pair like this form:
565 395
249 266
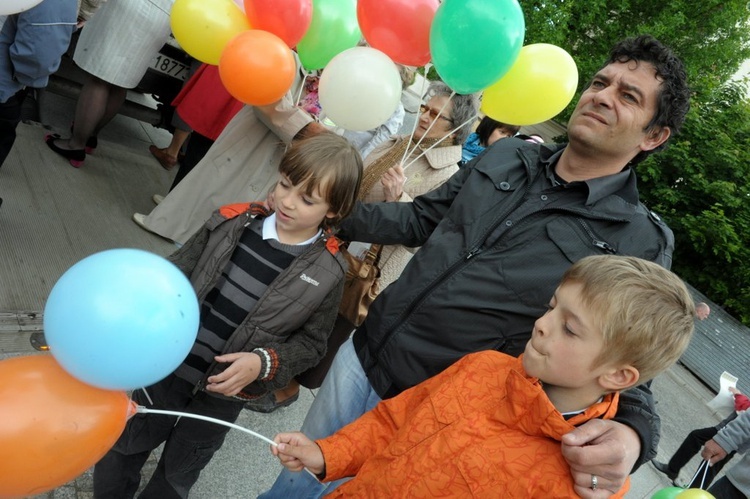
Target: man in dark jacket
496 238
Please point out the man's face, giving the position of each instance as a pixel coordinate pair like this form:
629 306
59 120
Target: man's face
613 112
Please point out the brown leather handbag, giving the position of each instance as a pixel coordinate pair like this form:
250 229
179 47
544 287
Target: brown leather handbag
361 284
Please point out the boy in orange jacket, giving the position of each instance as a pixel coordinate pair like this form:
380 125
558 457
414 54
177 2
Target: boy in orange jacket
491 424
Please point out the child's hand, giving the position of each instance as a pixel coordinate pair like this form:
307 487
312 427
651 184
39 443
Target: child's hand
243 371
296 451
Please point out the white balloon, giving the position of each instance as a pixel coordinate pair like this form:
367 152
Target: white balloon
360 89
15 6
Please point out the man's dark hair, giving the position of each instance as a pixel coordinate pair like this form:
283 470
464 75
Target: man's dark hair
673 101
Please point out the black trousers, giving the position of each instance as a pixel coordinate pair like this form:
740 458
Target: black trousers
692 445
723 489
10 117
190 443
198 146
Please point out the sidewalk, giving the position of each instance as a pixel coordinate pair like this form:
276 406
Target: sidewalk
54 215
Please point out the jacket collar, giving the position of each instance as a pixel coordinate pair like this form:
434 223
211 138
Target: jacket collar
526 398
623 185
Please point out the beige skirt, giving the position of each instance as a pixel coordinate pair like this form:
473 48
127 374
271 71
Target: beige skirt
122 38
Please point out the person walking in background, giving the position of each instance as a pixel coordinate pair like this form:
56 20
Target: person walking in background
115 48
702 310
269 285
487 133
734 437
168 157
205 107
495 240
695 440
31 46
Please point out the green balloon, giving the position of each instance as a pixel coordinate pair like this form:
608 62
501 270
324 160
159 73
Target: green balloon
333 29
668 493
475 42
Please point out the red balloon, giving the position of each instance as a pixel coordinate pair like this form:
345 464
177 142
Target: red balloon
257 68
287 19
52 426
399 28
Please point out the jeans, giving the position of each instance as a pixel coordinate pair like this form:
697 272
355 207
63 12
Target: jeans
345 395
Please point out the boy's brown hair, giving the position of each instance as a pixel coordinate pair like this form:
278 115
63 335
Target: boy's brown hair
327 162
644 311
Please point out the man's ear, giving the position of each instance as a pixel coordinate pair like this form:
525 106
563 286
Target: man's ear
619 378
655 138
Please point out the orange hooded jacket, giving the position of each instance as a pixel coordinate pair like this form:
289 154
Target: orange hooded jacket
481 428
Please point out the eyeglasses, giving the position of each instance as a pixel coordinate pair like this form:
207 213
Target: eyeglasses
434 113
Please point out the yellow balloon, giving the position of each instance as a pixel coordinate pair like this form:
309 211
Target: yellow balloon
537 87
204 27
694 494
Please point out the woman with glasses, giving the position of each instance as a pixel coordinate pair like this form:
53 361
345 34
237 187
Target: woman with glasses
433 155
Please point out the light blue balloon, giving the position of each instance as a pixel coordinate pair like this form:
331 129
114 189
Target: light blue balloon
121 319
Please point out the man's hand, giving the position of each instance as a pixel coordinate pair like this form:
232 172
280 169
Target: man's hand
605 449
243 371
713 452
296 451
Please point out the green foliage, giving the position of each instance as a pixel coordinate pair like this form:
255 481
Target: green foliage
699 184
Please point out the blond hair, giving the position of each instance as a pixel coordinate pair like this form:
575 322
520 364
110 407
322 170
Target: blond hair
644 311
329 163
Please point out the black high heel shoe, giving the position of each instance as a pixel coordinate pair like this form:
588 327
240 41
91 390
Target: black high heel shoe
75 156
91 142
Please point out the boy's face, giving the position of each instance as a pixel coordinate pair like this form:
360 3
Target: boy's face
298 214
564 342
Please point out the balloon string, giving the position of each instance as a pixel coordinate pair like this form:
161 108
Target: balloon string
419 112
145 410
432 123
459 127
148 397
301 89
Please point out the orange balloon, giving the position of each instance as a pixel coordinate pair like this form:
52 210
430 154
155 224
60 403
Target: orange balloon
257 67
52 426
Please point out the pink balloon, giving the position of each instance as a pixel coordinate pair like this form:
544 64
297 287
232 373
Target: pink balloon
287 19
398 28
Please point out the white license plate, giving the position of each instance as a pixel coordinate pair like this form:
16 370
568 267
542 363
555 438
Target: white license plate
169 66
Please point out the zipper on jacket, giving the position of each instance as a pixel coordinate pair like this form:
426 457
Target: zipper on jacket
453 268
604 245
